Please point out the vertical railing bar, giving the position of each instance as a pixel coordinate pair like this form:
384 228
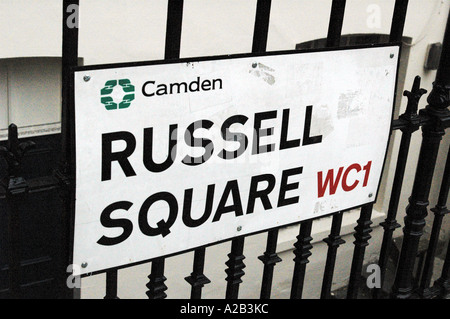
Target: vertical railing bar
69 60
418 271
443 73
66 172
199 260
235 268
432 133
14 249
302 252
197 279
362 240
173 29
13 214
439 212
173 44
261 26
333 241
442 285
269 258
414 220
172 51
398 20
111 284
16 190
390 223
156 286
336 22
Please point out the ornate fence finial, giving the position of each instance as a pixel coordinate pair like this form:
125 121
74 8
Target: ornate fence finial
156 286
235 268
439 97
413 100
14 151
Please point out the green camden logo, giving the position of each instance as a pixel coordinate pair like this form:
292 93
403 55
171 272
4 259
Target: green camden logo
112 93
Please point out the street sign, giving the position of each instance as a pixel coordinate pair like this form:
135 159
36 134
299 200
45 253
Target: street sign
176 155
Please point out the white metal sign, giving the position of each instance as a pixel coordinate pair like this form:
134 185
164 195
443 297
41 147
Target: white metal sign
173 156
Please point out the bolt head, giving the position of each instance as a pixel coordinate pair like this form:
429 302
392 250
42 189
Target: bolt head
86 78
239 228
84 265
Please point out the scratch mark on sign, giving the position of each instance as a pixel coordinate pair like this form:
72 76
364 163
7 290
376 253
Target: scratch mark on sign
262 71
190 64
349 104
325 205
325 120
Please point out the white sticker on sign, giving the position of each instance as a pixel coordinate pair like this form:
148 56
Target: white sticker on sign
173 156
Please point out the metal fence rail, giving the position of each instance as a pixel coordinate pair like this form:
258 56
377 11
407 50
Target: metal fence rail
433 120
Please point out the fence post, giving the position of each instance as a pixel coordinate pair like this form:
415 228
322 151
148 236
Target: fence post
442 285
416 211
235 268
174 26
270 258
302 252
362 237
197 279
390 224
16 189
334 239
440 210
65 173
